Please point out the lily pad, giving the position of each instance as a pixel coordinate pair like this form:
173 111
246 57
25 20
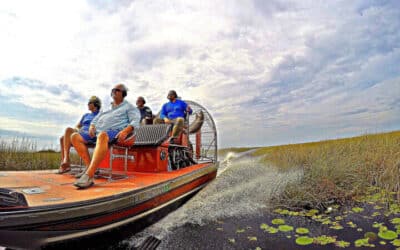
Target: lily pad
342 243
264 226
252 238
396 242
357 209
324 240
363 243
336 226
304 240
382 242
232 240
285 228
387 235
302 230
377 225
371 236
272 230
395 221
278 221
240 230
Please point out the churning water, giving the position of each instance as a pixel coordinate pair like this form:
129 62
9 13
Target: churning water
242 188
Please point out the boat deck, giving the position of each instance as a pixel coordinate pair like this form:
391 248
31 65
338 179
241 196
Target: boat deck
59 189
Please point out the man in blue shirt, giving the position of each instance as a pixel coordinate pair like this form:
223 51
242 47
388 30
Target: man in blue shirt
174 112
82 128
113 124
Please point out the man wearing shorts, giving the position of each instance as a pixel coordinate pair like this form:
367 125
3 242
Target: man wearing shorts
108 126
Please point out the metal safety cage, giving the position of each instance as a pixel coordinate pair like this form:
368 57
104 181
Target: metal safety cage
204 142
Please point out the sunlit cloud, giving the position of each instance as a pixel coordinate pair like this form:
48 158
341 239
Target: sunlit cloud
270 72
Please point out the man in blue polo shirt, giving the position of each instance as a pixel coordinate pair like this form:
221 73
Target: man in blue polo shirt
174 112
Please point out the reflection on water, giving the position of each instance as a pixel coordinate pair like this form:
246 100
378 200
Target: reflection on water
243 187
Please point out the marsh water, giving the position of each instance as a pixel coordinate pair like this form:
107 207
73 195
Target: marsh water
233 212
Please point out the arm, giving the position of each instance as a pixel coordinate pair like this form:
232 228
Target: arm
134 119
163 113
188 109
92 128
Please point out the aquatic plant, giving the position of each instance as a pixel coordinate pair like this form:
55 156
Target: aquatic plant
285 228
342 243
324 239
363 243
304 240
336 226
338 170
278 221
232 240
252 238
240 230
264 226
395 221
371 236
387 234
302 230
357 209
396 242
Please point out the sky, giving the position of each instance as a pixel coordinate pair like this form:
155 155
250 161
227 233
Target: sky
269 72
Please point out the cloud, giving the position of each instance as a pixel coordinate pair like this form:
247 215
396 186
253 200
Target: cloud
269 71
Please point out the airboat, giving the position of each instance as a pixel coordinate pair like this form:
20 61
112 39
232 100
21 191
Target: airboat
42 207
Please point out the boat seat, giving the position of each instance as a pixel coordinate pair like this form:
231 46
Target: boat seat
147 135
152 135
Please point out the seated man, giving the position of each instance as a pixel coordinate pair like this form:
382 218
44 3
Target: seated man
82 127
174 112
146 116
113 124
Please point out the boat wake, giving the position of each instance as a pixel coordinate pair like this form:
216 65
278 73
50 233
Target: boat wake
243 187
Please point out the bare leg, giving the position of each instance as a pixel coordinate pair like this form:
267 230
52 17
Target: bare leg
66 146
79 144
62 147
99 153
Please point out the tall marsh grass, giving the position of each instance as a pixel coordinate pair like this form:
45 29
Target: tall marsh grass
336 171
22 154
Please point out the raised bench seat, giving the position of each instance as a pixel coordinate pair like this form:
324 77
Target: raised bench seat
152 135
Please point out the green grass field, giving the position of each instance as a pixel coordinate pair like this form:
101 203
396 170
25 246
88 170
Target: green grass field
22 154
337 171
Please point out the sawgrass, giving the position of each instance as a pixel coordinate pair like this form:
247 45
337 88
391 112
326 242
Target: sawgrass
22 154
337 171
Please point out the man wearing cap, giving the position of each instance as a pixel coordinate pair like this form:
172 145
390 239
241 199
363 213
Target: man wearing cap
174 112
110 125
146 116
94 105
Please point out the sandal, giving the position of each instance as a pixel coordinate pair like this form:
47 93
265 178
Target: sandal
84 182
64 167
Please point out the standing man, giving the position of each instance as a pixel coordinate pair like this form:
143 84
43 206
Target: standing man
174 112
113 124
146 116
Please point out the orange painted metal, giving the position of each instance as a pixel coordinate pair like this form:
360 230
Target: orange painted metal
198 144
